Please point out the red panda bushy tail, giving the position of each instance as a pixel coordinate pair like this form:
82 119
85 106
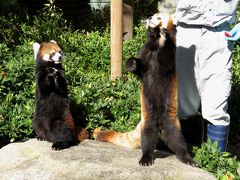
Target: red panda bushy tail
129 139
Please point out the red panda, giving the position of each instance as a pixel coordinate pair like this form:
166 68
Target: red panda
53 120
156 70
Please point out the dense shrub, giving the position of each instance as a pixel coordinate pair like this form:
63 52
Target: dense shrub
222 164
16 92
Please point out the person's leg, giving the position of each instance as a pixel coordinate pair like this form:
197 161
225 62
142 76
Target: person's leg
216 60
188 94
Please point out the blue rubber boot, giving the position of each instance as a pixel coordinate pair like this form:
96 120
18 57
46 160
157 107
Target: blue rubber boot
218 133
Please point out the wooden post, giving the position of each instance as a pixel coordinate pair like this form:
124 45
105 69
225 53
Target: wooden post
127 21
116 39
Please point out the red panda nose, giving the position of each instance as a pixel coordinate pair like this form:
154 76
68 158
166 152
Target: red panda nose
60 58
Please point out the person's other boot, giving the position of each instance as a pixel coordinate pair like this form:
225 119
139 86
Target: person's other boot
192 131
218 133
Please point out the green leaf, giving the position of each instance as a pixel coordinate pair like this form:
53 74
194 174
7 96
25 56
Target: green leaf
225 154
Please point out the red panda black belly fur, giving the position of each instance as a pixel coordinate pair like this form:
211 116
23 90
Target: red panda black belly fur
52 119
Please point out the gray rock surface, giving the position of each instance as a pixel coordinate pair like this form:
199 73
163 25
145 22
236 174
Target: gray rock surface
34 159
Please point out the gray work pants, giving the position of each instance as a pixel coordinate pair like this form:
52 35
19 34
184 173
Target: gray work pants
204 60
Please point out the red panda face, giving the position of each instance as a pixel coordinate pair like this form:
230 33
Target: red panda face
50 52
164 21
159 24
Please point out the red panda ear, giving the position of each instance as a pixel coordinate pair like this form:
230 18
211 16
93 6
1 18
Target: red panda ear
171 23
36 47
53 41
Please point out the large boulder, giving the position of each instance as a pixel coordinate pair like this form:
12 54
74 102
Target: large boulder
91 159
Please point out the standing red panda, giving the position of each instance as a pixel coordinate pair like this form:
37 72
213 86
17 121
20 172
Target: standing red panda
53 120
157 72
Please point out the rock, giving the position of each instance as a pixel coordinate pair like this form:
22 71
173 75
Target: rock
91 159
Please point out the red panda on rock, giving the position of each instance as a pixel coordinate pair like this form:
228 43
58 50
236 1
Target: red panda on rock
53 120
157 72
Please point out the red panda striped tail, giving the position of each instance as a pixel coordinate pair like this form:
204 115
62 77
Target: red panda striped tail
130 139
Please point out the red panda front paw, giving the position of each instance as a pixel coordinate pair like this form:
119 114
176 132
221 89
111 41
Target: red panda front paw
52 71
63 145
59 146
146 160
40 139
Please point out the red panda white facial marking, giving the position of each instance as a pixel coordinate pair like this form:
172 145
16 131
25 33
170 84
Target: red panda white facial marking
52 56
56 57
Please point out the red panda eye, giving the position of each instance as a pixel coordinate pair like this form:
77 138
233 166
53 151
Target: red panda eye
52 54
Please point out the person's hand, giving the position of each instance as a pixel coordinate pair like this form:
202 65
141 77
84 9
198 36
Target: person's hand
234 34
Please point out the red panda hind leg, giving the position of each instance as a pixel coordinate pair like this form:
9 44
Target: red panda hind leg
73 134
62 136
81 133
